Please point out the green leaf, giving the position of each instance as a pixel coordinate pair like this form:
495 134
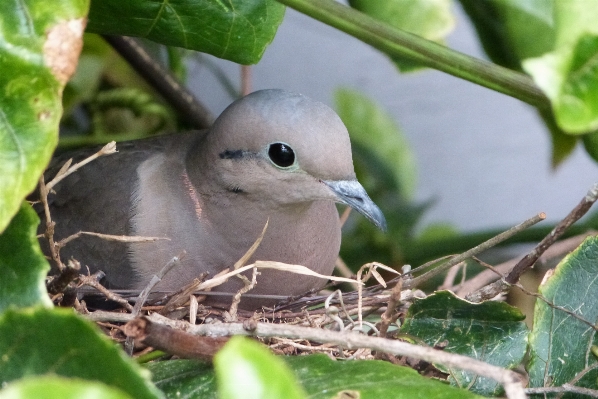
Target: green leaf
590 143
52 387
513 30
184 379
23 267
560 344
237 30
563 144
321 377
430 19
37 341
569 74
245 369
324 378
474 330
375 130
38 52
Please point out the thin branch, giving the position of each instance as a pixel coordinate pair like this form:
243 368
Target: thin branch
61 281
93 281
475 250
530 259
45 189
557 250
398 43
247 286
490 291
390 315
161 79
182 296
143 295
172 340
510 380
108 149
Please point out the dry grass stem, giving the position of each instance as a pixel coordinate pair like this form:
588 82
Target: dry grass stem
298 269
193 307
371 268
109 237
451 274
341 267
345 216
252 249
181 297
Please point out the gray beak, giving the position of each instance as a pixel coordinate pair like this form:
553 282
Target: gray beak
350 192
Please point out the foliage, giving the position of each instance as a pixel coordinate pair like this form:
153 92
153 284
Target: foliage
475 330
49 352
562 340
367 379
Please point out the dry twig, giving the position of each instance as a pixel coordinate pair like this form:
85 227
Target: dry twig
248 285
510 380
172 340
557 250
502 285
475 250
94 282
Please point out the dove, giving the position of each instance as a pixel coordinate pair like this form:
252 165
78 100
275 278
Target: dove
271 157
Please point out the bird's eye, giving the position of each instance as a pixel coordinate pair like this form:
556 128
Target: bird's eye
281 154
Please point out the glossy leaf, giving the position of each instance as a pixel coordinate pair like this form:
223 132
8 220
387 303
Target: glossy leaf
560 344
246 369
23 267
237 30
430 19
324 378
52 387
38 341
184 379
569 73
39 45
321 378
491 331
512 30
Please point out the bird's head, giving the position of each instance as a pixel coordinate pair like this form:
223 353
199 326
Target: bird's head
282 148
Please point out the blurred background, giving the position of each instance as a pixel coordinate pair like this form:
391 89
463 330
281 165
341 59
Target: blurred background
483 157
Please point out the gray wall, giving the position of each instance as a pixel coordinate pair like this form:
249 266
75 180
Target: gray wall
484 156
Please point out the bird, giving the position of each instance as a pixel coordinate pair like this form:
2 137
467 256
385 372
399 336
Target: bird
272 156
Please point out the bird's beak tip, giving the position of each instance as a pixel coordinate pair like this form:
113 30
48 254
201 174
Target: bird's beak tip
352 193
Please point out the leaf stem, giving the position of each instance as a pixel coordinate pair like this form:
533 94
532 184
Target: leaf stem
398 43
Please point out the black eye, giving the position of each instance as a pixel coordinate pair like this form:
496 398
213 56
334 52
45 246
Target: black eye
281 154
